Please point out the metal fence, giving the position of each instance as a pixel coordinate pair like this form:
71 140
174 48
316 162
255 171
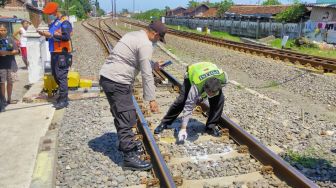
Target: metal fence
242 27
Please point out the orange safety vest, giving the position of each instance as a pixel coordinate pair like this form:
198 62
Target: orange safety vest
56 45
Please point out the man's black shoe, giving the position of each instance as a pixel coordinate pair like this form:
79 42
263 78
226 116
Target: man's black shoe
61 105
214 131
160 128
132 161
2 109
138 145
140 150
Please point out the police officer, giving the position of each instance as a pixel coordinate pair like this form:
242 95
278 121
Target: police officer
60 48
202 80
131 55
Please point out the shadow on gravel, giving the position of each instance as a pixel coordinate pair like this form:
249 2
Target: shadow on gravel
316 169
195 128
107 145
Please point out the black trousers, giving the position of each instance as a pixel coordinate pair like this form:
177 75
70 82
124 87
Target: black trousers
2 101
119 97
60 69
216 106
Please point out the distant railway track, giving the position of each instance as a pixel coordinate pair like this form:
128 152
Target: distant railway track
236 157
320 63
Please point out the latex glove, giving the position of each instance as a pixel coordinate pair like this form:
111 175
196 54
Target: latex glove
182 135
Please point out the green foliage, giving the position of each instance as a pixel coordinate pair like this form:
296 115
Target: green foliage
167 8
79 8
271 2
124 11
291 14
209 4
272 83
305 49
305 159
2 3
153 14
217 34
193 4
223 6
100 12
304 42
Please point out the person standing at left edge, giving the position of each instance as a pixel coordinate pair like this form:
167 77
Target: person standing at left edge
60 48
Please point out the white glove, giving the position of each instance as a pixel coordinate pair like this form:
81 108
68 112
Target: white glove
182 134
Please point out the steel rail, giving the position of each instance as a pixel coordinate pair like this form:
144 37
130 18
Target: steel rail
260 152
162 171
320 63
106 47
115 34
103 33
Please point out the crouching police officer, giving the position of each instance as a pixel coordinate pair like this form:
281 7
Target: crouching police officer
60 48
202 80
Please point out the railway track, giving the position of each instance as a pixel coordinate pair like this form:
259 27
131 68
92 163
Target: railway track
234 160
320 63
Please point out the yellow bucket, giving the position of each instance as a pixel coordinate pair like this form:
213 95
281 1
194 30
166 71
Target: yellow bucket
73 79
85 83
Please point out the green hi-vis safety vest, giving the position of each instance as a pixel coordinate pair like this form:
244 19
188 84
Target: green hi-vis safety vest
198 73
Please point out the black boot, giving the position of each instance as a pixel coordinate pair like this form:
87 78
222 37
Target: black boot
138 145
2 104
61 105
132 161
140 150
62 102
2 108
160 128
213 130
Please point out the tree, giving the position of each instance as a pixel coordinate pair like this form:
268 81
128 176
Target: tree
152 14
167 8
124 11
79 8
223 6
3 3
100 12
292 14
209 4
271 2
193 4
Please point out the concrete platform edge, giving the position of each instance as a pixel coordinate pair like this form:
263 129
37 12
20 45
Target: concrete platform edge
44 175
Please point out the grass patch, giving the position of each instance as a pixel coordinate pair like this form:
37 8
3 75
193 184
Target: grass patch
239 87
272 83
305 159
217 34
127 29
276 43
171 49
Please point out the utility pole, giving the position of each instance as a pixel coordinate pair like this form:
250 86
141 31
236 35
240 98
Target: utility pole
133 6
115 8
112 8
67 7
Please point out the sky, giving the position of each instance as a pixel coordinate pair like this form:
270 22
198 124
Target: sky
144 5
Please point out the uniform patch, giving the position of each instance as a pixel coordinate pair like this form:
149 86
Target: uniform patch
211 73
